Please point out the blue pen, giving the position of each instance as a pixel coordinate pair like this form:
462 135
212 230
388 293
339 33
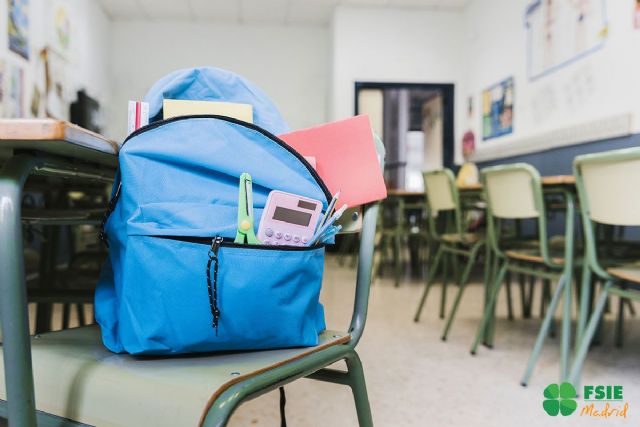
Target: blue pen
326 225
329 233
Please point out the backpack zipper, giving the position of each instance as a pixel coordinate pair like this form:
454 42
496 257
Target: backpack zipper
229 243
251 126
112 203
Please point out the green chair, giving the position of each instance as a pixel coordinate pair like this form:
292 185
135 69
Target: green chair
514 193
608 191
442 198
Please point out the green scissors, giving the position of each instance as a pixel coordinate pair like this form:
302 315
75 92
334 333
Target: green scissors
245 232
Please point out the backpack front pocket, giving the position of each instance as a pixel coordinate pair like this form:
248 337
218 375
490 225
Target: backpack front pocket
266 297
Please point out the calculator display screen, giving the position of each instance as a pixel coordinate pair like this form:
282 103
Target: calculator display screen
291 216
306 205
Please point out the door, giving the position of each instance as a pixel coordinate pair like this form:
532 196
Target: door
433 137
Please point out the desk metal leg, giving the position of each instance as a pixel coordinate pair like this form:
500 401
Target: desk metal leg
13 295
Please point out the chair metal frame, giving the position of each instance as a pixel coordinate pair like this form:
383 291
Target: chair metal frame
314 365
562 273
461 247
592 265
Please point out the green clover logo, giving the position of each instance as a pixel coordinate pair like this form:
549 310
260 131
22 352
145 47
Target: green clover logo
560 399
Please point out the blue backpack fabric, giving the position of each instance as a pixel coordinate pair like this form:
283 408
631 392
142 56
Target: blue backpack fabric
170 286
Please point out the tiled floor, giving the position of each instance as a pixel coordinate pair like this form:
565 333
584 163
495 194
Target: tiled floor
414 379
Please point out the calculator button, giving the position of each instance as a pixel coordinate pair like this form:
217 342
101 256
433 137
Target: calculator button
278 235
287 236
296 239
267 242
275 243
305 240
268 232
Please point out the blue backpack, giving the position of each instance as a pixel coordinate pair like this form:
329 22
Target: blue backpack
174 281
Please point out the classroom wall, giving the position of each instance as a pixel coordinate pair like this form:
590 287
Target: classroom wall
396 45
84 63
592 98
289 63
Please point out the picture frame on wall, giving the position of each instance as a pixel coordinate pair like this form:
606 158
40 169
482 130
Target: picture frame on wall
497 109
18 27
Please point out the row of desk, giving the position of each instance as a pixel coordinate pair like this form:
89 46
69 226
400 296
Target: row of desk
548 182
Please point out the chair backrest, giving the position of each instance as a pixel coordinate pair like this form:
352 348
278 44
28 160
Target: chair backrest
608 192
514 192
441 190
442 196
610 186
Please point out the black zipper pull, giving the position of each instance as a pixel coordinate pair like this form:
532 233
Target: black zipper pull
213 290
215 246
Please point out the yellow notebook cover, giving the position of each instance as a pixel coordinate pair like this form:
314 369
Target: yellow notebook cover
179 107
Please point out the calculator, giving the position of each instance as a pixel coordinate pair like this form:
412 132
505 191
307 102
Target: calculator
288 219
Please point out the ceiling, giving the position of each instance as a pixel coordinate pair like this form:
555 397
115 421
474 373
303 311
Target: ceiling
275 12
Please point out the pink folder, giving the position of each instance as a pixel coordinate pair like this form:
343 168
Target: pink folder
346 158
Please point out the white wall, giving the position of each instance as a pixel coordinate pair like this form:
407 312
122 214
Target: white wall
562 104
396 45
289 63
85 58
90 44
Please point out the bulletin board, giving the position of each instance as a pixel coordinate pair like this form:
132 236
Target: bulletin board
497 109
562 31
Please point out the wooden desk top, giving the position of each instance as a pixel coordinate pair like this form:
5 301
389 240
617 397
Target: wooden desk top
59 138
559 180
397 192
547 181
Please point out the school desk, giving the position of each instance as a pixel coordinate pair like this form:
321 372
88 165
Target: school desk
35 147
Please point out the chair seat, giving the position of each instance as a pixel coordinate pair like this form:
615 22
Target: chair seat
556 243
529 250
77 378
466 237
628 272
534 255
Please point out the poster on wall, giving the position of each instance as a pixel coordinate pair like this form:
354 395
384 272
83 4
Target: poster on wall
636 15
18 27
15 98
562 31
497 110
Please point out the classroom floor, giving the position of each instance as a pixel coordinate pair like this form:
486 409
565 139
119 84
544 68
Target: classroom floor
415 379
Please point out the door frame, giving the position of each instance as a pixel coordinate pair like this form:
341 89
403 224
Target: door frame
447 91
